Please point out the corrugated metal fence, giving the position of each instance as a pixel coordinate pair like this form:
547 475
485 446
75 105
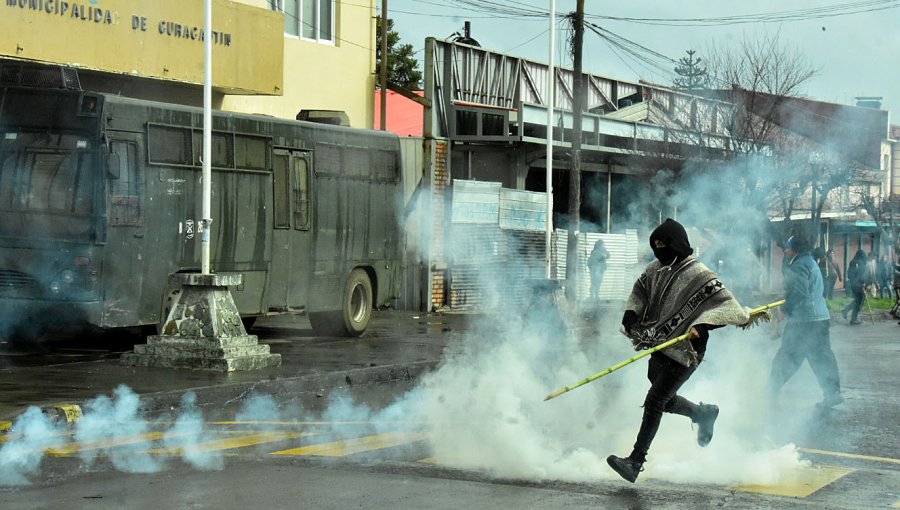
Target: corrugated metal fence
496 249
496 245
622 268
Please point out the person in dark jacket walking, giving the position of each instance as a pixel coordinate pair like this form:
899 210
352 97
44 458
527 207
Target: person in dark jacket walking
806 335
857 272
675 295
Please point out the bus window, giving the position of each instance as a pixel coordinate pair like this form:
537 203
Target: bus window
169 145
124 191
300 190
221 150
282 191
250 152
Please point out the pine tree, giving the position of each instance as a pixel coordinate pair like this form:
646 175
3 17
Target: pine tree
402 64
691 77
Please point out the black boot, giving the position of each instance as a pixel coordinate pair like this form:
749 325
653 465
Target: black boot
706 418
627 468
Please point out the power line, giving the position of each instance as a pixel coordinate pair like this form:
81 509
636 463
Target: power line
834 10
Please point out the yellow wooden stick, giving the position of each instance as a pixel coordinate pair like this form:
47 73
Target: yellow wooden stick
598 375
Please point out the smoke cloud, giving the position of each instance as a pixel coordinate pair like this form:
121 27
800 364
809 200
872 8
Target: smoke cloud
113 428
22 457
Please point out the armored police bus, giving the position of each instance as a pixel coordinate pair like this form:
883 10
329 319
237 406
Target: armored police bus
100 203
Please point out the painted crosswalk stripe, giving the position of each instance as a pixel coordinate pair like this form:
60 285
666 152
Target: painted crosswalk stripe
800 482
82 446
356 445
850 455
235 442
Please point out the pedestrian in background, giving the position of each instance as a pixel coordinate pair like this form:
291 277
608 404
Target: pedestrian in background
885 278
856 278
597 266
675 295
806 335
871 272
895 311
831 273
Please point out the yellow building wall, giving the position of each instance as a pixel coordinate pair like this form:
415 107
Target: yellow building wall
159 40
324 77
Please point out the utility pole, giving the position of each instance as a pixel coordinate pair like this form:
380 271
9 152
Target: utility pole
575 163
383 68
551 97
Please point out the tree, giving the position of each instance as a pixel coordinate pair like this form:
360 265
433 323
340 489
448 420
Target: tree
402 66
758 78
691 77
885 212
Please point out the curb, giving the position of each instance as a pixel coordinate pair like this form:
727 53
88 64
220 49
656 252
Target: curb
224 394
59 413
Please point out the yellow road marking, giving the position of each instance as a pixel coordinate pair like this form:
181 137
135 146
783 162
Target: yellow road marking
76 447
356 445
896 505
235 442
799 483
429 460
5 426
850 455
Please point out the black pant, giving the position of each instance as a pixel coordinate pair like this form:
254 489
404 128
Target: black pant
810 341
859 296
666 377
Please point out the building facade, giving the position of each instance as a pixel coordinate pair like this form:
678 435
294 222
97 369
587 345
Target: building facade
274 57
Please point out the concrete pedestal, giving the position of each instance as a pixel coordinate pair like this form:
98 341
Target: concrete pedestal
203 331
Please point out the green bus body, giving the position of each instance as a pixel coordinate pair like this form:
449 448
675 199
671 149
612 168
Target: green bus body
100 204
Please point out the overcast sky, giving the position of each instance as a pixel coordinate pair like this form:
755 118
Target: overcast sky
855 54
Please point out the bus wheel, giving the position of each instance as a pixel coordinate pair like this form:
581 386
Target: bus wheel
355 313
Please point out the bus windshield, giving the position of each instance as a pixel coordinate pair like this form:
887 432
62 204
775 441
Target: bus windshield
46 185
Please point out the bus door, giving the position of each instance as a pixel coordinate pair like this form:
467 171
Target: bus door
289 277
125 255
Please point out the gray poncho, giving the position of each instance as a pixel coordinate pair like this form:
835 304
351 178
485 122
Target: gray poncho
669 300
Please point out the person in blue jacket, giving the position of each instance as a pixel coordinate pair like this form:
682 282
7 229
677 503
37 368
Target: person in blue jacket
806 335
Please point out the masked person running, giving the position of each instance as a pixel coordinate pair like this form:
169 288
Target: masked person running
675 295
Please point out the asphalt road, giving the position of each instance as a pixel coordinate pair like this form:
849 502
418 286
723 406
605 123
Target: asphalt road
341 448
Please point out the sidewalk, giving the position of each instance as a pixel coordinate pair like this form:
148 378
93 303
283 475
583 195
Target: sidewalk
399 345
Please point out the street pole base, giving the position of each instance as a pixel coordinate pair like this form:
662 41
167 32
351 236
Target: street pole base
203 331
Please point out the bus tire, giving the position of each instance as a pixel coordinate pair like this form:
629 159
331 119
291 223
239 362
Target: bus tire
356 309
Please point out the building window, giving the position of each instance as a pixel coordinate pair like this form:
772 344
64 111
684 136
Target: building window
309 19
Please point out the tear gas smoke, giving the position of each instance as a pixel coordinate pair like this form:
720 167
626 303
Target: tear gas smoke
185 434
112 428
110 423
22 457
485 405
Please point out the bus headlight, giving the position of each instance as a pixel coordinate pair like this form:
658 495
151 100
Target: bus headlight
54 287
67 276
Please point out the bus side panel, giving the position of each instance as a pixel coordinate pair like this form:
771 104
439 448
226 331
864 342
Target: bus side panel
329 266
241 239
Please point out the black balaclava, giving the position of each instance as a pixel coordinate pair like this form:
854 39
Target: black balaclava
670 242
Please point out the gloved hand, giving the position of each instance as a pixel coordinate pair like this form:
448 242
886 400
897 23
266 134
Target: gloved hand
642 339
